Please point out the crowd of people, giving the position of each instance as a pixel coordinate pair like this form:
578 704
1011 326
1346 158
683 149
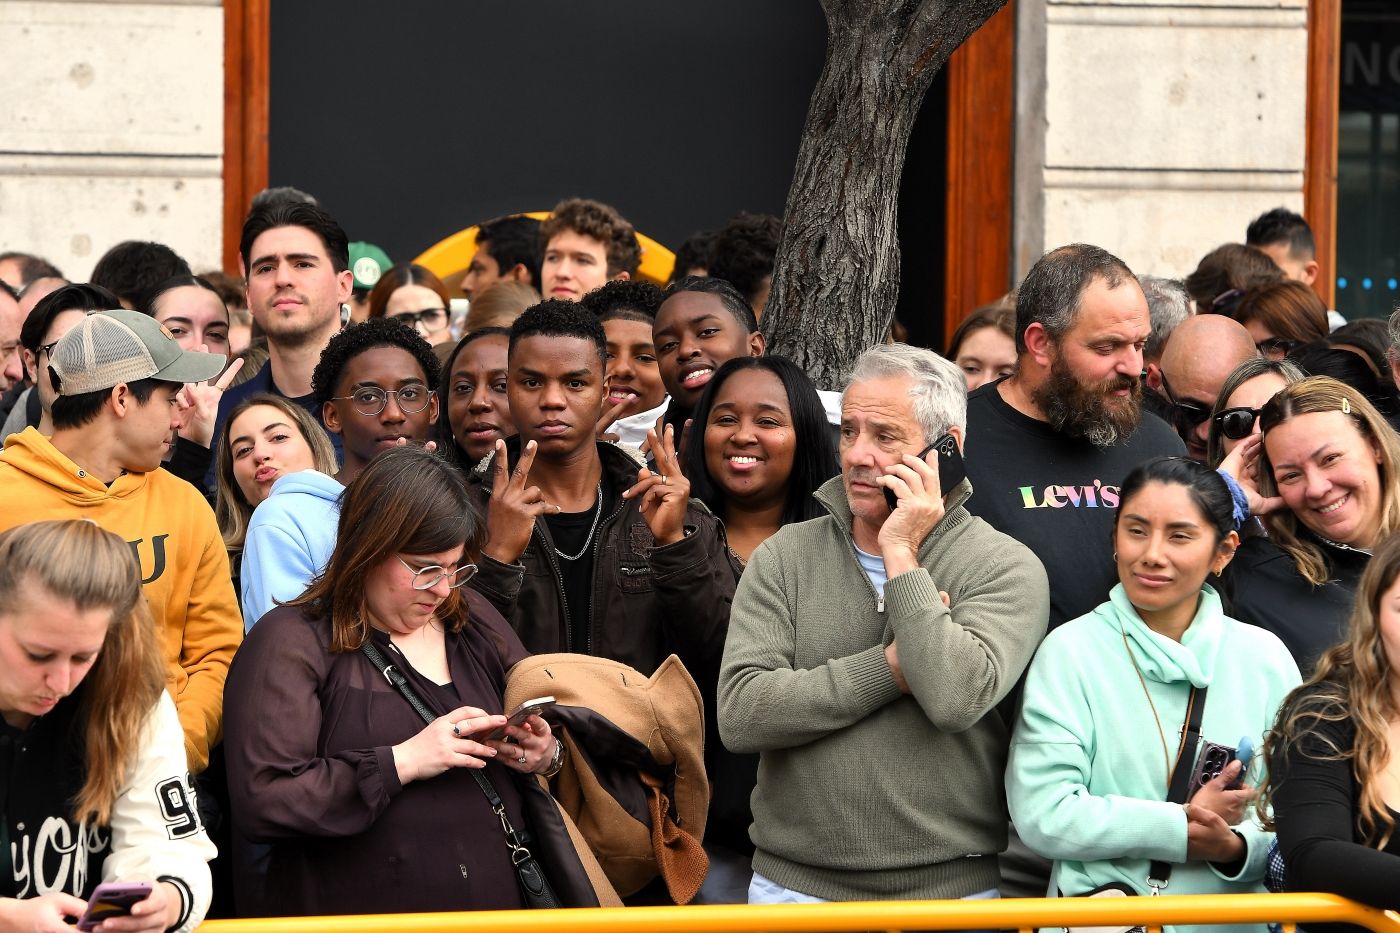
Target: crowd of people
280 558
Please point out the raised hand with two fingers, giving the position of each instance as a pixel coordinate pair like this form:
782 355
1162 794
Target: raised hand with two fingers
510 518
664 492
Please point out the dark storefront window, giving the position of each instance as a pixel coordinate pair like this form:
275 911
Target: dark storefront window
1368 183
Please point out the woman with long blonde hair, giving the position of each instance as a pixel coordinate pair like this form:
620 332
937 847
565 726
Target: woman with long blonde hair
1323 474
1334 780
79 656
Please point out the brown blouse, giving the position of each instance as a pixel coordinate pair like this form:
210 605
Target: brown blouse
308 735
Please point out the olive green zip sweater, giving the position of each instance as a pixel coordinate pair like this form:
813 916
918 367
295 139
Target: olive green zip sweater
864 792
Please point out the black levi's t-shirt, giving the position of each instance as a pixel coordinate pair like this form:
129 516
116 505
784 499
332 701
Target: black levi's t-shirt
1057 495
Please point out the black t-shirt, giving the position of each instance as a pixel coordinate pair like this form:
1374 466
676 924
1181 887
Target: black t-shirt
570 532
1055 494
1265 588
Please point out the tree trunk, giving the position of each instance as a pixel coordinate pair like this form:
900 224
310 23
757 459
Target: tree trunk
836 277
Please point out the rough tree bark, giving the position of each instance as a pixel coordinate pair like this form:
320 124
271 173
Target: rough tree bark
836 278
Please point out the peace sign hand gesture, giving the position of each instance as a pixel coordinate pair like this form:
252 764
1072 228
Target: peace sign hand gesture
665 493
199 404
510 518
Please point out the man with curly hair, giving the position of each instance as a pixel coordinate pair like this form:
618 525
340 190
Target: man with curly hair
743 253
635 396
375 386
586 243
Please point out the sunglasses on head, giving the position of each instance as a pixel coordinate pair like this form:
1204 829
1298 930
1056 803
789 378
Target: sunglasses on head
1236 423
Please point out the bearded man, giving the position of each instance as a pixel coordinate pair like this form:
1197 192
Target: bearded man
1049 445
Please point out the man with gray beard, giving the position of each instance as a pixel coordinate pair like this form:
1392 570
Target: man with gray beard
1048 445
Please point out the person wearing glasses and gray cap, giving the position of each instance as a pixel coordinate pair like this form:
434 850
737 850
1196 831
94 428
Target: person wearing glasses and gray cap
117 375
375 385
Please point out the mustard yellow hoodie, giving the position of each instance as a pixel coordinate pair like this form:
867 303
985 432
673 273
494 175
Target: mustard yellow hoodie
184 566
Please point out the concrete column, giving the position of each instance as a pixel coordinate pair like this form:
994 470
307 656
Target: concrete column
111 128
1156 130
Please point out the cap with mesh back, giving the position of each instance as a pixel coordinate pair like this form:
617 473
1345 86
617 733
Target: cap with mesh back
111 347
367 264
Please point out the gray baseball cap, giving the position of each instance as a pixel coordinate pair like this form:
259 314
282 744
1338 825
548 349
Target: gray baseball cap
111 347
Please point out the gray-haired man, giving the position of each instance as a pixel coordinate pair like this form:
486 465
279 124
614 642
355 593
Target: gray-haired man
868 697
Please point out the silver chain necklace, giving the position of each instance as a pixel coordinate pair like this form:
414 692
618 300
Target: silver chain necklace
597 514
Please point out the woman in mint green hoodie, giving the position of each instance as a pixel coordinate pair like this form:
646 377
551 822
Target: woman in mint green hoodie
1106 700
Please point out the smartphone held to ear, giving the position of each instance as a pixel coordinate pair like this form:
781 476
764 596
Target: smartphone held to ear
951 471
112 899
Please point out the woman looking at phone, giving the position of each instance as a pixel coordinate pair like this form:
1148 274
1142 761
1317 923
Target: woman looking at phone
80 658
1332 775
366 809
1106 698
1322 474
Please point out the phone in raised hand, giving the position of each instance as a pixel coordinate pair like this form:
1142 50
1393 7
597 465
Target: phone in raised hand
522 712
950 468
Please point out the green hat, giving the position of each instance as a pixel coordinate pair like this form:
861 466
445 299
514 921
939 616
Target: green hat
368 262
111 347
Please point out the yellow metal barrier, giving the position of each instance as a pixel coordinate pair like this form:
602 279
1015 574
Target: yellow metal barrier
1023 915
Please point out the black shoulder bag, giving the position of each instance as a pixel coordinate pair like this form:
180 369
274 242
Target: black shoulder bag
1160 873
534 887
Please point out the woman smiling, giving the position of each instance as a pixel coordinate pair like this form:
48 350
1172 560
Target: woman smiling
1323 474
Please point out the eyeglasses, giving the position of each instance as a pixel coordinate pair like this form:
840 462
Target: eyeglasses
46 349
371 400
1236 423
429 577
431 320
1277 345
1188 413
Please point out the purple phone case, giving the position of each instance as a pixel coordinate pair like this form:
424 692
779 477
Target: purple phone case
112 899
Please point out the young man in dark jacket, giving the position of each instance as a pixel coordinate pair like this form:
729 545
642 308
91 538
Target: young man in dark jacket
588 551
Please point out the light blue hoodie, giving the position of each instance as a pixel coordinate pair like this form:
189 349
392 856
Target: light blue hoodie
1087 783
290 540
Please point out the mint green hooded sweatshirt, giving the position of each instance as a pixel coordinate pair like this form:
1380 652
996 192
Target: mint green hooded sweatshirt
1087 783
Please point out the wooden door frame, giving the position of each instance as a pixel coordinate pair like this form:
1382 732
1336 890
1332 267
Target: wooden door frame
981 148
247 31
1320 159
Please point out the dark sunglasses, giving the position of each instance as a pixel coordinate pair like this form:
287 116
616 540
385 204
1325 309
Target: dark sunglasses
1187 413
1278 345
1236 423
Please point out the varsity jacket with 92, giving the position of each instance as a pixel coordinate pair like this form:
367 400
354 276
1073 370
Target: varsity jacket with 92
154 833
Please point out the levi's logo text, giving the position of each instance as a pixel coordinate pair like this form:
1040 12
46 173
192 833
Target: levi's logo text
1073 497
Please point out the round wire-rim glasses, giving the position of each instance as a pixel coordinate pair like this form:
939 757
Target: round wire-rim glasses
429 577
371 400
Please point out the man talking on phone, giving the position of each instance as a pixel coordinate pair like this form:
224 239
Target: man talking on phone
867 651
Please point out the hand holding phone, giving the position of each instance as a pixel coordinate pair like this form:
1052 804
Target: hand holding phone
951 471
522 712
112 899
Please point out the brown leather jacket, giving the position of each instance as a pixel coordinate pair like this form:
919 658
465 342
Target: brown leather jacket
648 602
